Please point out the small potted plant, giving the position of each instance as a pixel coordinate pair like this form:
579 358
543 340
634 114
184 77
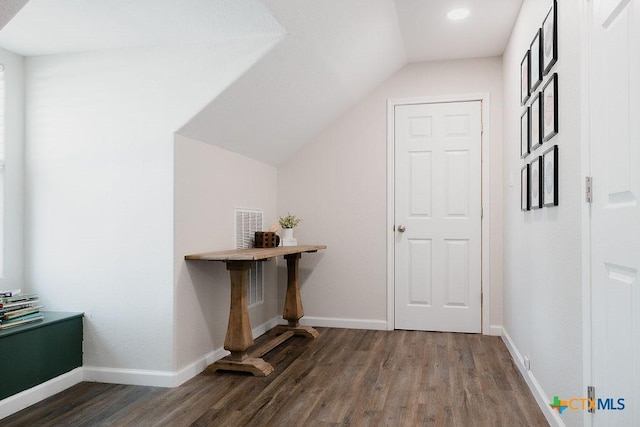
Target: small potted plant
288 223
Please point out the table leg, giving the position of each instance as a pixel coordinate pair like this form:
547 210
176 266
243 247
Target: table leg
293 310
239 337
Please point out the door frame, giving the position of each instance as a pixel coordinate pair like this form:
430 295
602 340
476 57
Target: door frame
585 211
485 138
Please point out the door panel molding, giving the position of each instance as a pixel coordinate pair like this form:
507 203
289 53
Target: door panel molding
611 296
457 127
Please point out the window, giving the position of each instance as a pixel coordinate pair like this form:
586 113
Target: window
2 138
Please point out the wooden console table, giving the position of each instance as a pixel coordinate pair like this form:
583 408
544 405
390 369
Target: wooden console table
239 337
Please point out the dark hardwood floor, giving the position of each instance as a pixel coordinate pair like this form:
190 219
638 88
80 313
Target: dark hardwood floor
345 377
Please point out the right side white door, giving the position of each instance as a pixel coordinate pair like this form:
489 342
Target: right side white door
615 212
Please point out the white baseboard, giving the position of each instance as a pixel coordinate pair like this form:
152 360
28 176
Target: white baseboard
190 371
494 331
129 376
166 378
266 326
553 417
141 377
19 401
331 322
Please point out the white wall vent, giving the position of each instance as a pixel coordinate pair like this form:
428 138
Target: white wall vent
247 223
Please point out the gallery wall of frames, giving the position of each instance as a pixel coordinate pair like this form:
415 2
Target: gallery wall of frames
539 119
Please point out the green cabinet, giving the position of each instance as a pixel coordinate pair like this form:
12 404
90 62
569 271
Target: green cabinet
37 352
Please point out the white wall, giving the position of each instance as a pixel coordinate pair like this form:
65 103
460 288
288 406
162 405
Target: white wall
542 248
99 189
11 266
338 185
210 182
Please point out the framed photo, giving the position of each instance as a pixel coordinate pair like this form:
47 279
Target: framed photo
535 120
550 108
535 183
549 40
524 188
550 177
524 79
535 61
524 134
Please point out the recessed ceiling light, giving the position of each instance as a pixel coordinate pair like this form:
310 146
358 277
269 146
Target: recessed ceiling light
458 14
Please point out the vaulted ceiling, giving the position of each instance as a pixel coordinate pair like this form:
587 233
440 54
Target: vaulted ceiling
334 52
327 62
46 27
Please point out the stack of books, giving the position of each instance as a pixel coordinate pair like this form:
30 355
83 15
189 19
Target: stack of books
18 309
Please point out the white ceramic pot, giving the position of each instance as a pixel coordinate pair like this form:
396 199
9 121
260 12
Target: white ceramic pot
287 233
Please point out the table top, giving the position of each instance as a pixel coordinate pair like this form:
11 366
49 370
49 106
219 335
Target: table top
253 254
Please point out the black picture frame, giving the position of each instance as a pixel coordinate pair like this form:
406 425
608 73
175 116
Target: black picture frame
524 188
524 79
535 122
550 177
535 61
550 108
549 40
535 183
525 134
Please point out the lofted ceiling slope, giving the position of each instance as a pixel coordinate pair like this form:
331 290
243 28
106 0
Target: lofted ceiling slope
334 52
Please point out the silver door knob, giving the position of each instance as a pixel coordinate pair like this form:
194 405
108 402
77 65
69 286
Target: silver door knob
401 228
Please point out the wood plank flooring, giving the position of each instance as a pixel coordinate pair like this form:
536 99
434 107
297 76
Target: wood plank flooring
344 377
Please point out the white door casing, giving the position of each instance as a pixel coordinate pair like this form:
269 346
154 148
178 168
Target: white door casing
614 112
438 205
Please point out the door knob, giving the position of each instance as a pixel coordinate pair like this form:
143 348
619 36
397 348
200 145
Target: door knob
401 228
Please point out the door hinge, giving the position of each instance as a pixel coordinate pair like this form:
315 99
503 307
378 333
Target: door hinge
591 395
481 212
588 189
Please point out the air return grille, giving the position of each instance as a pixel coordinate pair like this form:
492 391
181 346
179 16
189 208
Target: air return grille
247 223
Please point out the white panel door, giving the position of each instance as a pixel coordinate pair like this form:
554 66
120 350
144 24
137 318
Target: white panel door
615 214
438 216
